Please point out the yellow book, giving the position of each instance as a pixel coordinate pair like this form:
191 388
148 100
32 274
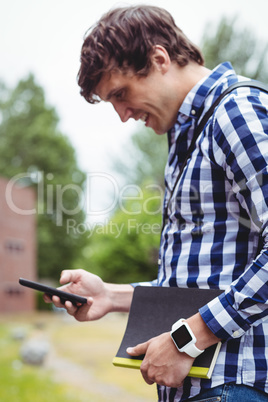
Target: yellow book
153 311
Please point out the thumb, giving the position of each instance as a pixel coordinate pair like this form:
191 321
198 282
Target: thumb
138 349
66 276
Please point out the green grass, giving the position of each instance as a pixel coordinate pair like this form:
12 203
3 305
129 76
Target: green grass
89 346
26 383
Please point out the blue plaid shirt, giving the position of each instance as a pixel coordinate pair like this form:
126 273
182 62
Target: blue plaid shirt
216 214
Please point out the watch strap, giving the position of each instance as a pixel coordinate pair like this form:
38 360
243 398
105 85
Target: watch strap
192 350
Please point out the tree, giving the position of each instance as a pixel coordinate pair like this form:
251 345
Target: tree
33 152
125 249
146 158
230 42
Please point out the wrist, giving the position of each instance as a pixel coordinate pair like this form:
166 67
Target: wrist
119 296
204 336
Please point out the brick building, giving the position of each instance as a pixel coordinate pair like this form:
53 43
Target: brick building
17 246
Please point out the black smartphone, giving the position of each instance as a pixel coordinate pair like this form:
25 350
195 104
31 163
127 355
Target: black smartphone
64 296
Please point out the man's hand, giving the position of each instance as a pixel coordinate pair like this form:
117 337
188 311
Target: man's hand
163 363
102 298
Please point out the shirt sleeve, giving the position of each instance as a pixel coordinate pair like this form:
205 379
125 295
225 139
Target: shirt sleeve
150 283
240 146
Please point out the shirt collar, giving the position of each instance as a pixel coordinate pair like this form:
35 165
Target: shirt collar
192 105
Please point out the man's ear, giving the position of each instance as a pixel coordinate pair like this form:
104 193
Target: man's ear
160 59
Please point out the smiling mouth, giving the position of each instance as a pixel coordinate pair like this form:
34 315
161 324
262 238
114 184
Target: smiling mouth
144 117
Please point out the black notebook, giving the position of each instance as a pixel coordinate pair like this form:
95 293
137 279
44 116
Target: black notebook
153 311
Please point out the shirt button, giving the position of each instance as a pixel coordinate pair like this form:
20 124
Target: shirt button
193 112
236 334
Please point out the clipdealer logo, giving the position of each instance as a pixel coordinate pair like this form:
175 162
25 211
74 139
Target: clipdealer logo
113 228
130 199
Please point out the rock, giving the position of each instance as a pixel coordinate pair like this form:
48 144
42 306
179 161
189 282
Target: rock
34 352
18 334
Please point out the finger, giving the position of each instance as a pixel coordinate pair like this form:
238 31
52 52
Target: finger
90 301
147 380
144 373
47 298
71 309
57 302
66 276
138 349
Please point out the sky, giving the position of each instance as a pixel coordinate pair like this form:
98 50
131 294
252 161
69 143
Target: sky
44 37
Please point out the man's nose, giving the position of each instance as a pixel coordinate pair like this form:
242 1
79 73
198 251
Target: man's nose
123 112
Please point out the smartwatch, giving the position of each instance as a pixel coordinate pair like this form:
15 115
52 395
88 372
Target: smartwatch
184 339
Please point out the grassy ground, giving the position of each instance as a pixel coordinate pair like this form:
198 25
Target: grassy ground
78 367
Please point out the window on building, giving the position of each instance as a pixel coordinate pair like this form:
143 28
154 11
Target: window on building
13 291
14 246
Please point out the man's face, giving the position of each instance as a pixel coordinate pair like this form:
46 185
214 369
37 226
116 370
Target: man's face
142 98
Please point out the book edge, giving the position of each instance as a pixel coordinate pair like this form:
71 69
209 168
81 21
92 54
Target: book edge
127 363
196 371
213 362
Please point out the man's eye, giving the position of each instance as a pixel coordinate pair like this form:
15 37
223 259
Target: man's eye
119 95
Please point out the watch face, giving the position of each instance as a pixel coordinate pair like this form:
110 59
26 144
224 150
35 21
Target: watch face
181 336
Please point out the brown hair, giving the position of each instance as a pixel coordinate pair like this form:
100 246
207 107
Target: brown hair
124 39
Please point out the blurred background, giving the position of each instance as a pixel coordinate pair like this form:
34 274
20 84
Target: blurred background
79 189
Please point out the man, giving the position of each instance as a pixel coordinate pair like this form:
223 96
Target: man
140 61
